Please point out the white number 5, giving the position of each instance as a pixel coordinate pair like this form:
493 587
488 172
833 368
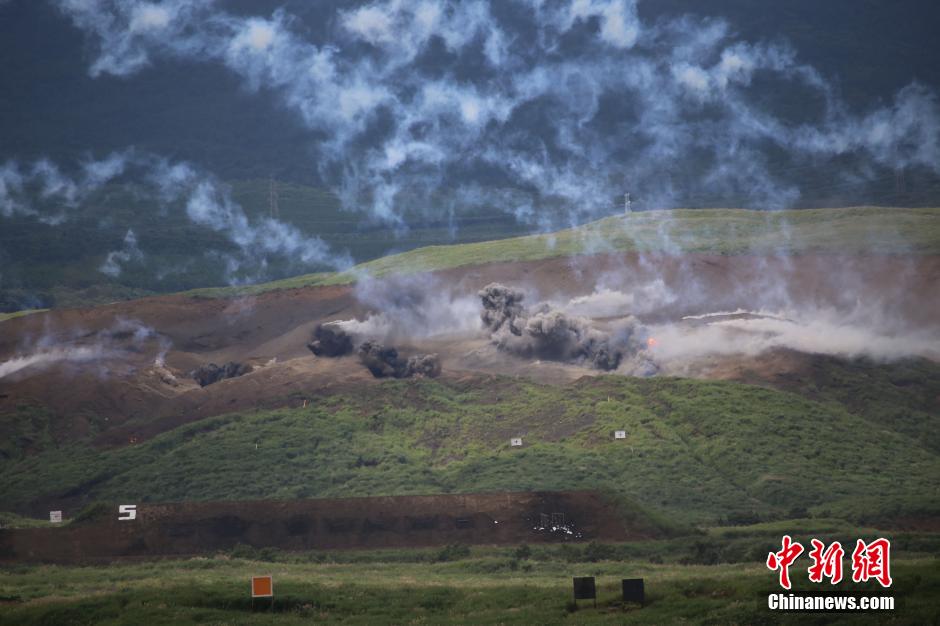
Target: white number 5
127 512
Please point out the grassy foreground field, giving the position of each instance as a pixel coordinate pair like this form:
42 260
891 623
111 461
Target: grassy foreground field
453 585
861 446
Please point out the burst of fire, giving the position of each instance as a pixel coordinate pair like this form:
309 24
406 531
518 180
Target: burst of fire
651 342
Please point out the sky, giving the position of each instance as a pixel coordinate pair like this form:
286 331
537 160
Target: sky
548 111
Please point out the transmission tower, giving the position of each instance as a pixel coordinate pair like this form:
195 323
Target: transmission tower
272 200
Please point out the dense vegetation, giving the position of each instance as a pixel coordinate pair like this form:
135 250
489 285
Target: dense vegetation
702 452
524 585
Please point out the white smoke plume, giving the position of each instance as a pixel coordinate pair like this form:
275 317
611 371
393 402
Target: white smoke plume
208 204
511 105
74 346
412 307
56 191
44 358
608 302
607 329
821 331
129 252
864 330
205 202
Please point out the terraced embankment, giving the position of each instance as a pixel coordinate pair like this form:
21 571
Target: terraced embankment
192 528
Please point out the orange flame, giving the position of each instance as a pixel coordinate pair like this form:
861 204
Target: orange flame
651 342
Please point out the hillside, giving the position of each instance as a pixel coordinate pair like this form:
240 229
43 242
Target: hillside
424 309
54 265
848 231
49 266
700 451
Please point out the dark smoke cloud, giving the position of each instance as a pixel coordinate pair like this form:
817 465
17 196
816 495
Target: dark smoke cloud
549 333
384 362
502 305
330 340
211 373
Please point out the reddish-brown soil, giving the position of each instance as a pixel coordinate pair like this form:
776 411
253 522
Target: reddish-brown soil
129 398
327 524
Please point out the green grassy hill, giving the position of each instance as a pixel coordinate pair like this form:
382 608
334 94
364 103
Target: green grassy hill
56 266
855 230
700 451
46 265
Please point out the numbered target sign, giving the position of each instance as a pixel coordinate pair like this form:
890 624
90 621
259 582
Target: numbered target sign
515 442
55 517
620 434
127 512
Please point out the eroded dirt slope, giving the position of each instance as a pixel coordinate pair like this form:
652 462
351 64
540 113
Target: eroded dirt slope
138 384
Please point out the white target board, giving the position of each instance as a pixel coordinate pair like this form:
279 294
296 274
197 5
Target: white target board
127 512
620 434
515 442
55 517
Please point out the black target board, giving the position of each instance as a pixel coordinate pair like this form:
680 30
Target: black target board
584 588
633 590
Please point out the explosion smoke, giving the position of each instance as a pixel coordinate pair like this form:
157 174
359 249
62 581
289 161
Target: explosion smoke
211 373
330 340
501 304
549 333
48 357
384 362
116 343
409 307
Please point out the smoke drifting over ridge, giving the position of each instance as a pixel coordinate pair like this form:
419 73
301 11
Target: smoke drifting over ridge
49 182
823 331
204 201
129 252
528 103
637 326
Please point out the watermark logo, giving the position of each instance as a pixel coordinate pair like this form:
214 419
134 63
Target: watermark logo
869 561
872 560
827 563
782 560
